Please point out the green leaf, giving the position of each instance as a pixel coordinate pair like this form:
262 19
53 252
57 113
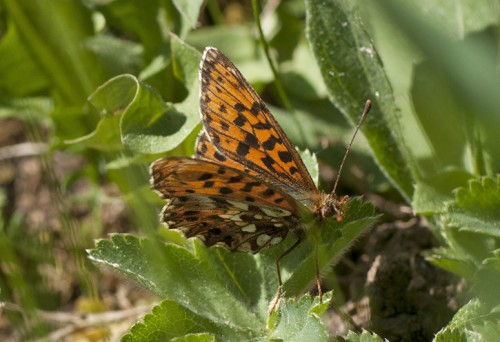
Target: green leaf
311 163
441 117
353 73
328 243
465 56
233 290
53 33
178 274
189 10
298 320
120 95
135 19
117 56
476 207
195 338
151 126
452 261
16 65
469 323
489 331
365 336
246 55
105 137
170 320
431 195
468 67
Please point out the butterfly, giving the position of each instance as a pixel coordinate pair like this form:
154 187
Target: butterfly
246 186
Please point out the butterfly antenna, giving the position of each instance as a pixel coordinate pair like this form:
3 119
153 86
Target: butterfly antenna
368 105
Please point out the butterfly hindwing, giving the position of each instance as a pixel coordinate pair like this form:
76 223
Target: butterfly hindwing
222 205
237 225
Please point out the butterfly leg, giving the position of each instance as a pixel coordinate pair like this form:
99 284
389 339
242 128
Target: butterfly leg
276 299
318 281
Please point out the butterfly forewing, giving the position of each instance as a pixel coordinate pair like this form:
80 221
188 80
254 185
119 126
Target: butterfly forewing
205 150
178 176
241 128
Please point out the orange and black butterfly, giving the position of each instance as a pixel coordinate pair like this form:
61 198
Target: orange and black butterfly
246 185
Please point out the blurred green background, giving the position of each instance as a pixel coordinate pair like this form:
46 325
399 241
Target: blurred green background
92 91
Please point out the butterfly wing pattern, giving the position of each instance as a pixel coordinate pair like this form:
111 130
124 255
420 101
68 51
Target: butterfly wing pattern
243 188
222 205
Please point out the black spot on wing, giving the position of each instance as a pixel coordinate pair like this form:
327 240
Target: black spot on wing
270 143
285 156
242 149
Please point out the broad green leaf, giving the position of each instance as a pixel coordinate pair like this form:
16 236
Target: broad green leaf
353 73
487 280
175 273
441 116
111 100
467 66
105 137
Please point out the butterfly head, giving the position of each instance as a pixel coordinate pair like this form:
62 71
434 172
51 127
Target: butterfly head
333 205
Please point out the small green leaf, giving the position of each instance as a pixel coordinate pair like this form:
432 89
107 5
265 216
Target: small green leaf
470 317
189 10
124 97
311 163
431 195
151 126
476 207
170 320
452 261
365 336
105 137
298 321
